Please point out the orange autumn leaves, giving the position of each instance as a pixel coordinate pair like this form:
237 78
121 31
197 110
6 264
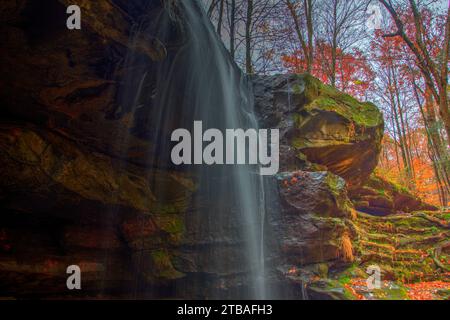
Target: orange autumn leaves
416 291
423 182
292 180
426 290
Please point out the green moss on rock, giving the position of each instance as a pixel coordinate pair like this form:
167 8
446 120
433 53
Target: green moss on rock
323 97
173 225
162 266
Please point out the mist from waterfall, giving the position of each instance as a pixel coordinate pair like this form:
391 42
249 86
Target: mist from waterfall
198 81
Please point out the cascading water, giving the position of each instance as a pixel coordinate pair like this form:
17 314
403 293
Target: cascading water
198 81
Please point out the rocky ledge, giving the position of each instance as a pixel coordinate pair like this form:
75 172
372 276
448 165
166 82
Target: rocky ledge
381 198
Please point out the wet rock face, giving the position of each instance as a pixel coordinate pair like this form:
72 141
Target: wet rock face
76 187
64 205
320 126
320 193
74 163
68 81
46 165
310 226
330 142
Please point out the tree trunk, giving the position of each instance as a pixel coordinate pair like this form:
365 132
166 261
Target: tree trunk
211 8
310 29
219 23
334 47
248 40
233 28
298 31
400 113
435 143
436 80
443 91
401 139
397 157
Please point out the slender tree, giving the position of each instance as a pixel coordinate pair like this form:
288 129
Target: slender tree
341 27
434 72
233 28
306 42
248 38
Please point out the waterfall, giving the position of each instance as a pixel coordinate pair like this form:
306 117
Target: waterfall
198 81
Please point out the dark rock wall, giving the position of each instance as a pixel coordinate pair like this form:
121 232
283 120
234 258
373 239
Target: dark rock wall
74 162
75 187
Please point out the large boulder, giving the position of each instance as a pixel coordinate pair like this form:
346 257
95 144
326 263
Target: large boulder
329 143
312 226
320 125
312 229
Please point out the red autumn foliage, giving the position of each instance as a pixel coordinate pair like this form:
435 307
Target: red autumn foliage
401 77
353 74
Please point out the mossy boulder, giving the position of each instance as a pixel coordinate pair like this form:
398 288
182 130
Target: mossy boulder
381 197
320 125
